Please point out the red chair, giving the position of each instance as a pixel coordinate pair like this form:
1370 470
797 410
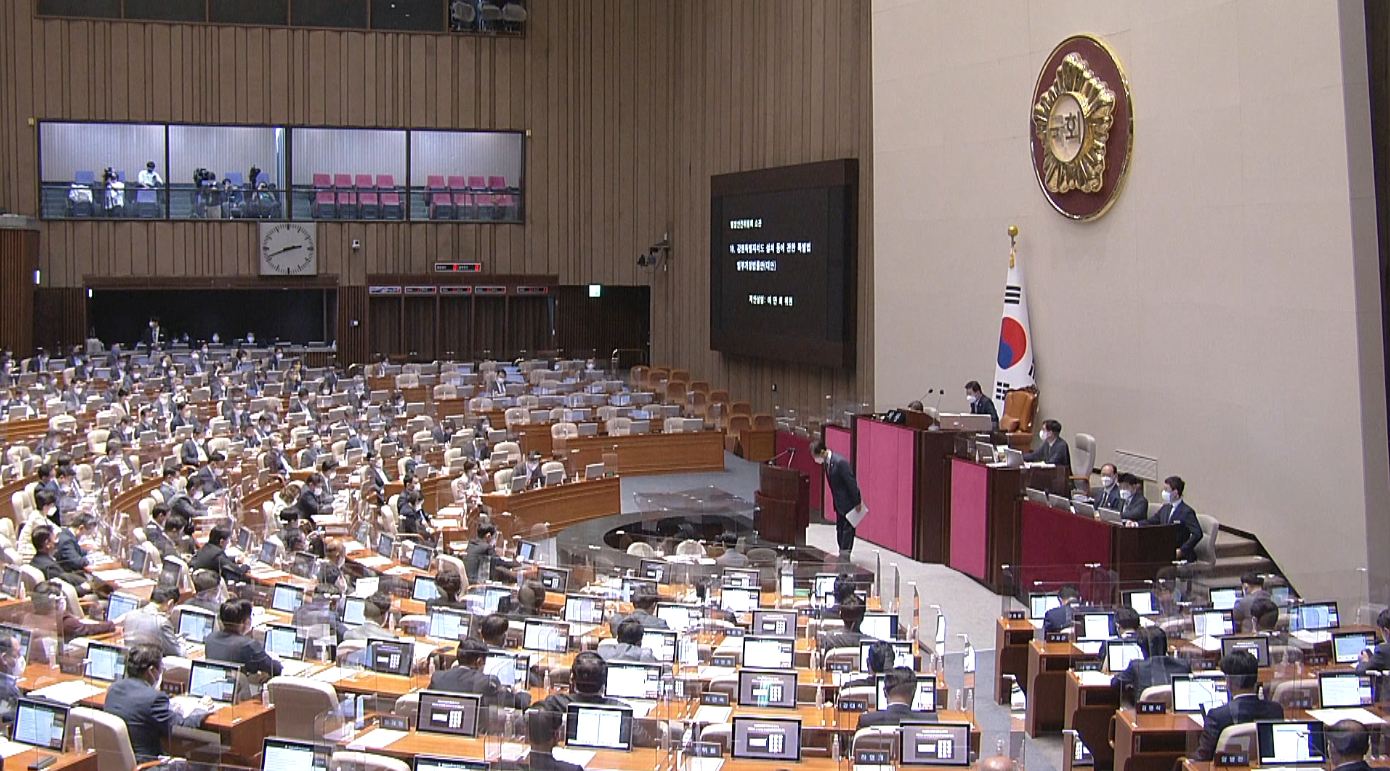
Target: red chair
464 206
506 206
477 183
323 181
325 204
368 201
437 197
390 197
497 184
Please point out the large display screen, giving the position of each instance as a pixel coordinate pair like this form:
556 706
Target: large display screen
782 262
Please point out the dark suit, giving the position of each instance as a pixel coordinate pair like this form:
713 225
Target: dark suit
147 715
844 490
1108 498
842 639
1355 765
895 714
1146 673
477 553
985 406
68 554
1379 661
647 620
1247 708
1241 611
544 761
461 679
1059 619
214 557
240 649
1057 453
52 571
1183 515
1136 509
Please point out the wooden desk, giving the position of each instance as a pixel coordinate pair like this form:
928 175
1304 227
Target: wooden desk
68 761
1054 543
1048 666
558 505
243 727
653 453
1088 711
1152 742
1011 638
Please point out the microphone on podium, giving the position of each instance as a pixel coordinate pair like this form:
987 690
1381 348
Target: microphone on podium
790 452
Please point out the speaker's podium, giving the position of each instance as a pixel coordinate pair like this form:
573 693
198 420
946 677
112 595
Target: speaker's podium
783 504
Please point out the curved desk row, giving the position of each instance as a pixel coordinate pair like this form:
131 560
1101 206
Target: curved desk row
558 506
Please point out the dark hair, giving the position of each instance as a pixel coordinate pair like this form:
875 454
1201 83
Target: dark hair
1103 466
973 386
1068 592
1153 641
852 613
588 673
1053 426
1126 478
216 457
141 658
1383 619
448 583
543 728
44 498
1176 483
45 470
644 599
630 631
219 535
1349 738
729 541
471 652
234 611
1241 669
900 682
818 447
881 656
163 594
493 629
531 596
80 520
377 606
175 524
1265 613
204 580
39 538
842 589
1252 579
485 529
1127 618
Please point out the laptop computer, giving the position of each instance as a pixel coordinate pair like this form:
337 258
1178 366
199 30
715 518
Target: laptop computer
771 652
1196 694
1347 646
293 755
1255 645
119 604
1290 743
1346 689
599 727
455 714
194 624
767 688
631 680
217 680
286 598
766 738
934 744
40 723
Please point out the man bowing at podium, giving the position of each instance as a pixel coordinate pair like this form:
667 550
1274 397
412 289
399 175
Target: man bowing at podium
845 492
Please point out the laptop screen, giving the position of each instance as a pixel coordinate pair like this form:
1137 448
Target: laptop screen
526 551
1345 689
923 699
823 589
767 738
105 662
385 545
554 579
741 577
195 625
598 727
284 641
883 626
120 604
447 624
40 723
632 586
355 610
1289 743
662 644
286 598
448 713
508 668
633 681
1212 623
679 617
739 599
268 551
654 570
421 556
1118 655
774 622
770 652
1097 626
934 744
291 755
766 688
1142 601
583 609
1316 616
390 657
1225 598
546 636
1039 604
213 679
1347 646
424 589
1198 693
1255 646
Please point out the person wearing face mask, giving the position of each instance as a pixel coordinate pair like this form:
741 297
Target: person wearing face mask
208 479
1134 507
234 643
530 470
981 404
138 700
1108 496
482 551
1175 511
1053 449
11 667
150 624
844 490
213 556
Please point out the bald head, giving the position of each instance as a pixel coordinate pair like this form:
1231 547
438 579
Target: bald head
997 763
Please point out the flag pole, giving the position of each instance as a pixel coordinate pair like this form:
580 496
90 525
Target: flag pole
1013 239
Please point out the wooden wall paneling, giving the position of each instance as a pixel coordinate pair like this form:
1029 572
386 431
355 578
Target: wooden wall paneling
19 257
421 325
353 341
58 318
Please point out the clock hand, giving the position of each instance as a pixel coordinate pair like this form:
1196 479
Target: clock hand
285 249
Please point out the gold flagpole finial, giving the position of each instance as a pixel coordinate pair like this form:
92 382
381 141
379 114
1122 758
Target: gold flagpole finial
1013 238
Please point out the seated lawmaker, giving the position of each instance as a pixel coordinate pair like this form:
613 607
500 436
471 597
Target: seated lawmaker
629 644
1053 449
981 404
1154 669
899 686
1175 511
450 587
544 729
852 614
643 609
1107 496
1348 741
213 556
1377 659
234 643
482 550
469 677
881 657
1134 506
138 700
1245 706
375 610
44 546
150 624
1060 618
1252 587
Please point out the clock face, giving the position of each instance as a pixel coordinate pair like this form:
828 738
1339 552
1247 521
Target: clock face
288 249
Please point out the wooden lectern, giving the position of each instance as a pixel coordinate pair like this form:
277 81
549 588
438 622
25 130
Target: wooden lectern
783 505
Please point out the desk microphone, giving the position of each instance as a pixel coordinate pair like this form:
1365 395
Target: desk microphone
790 452
940 392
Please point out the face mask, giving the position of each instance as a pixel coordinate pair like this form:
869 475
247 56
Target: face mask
1043 436
1126 495
820 460
158 681
1107 481
970 398
1167 496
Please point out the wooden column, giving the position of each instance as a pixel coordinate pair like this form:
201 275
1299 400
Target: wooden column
19 258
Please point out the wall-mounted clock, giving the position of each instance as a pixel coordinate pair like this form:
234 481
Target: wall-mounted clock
289 249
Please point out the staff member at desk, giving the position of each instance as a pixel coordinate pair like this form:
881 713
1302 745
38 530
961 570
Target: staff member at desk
844 490
138 700
213 556
1134 507
1377 658
628 646
233 643
1175 511
1060 618
1154 669
482 550
469 677
588 675
150 624
1053 449
643 609
1242 674
900 686
530 470
981 404
1108 496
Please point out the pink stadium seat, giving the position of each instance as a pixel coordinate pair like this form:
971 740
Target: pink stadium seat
324 204
464 207
368 201
456 184
347 204
477 183
505 206
362 181
322 181
497 183
390 198
435 182
342 180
